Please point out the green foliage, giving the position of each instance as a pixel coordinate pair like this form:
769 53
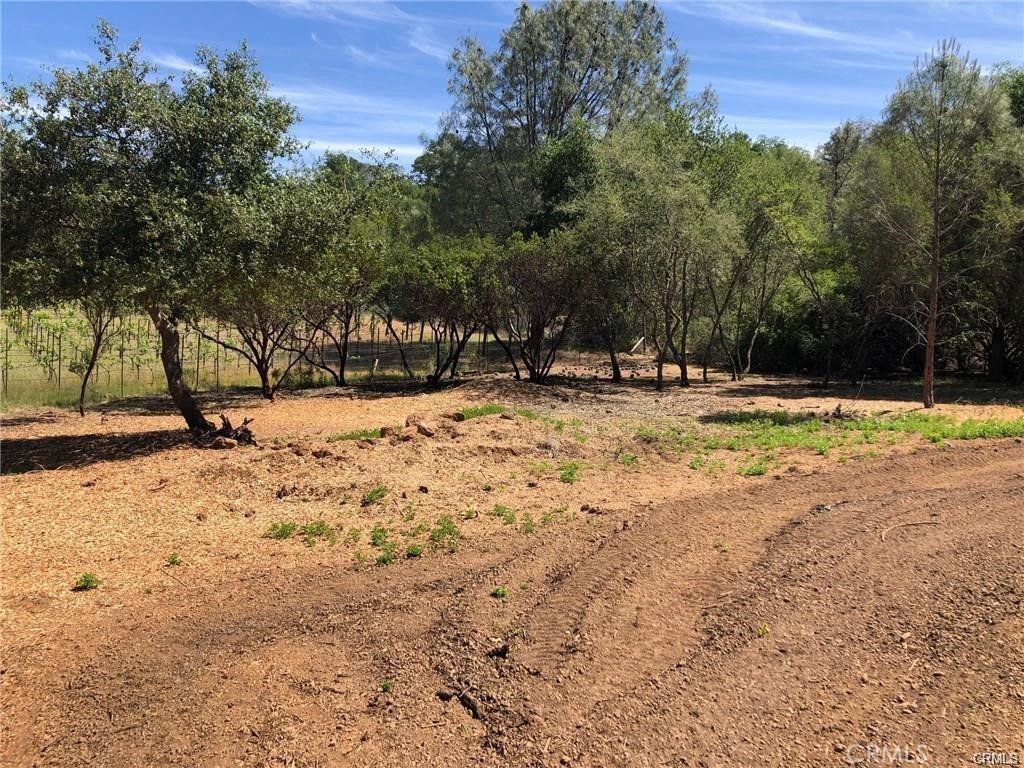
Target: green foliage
374 495
86 582
357 434
488 409
387 555
446 533
569 472
528 526
318 529
281 530
173 559
756 468
505 513
413 551
499 592
379 536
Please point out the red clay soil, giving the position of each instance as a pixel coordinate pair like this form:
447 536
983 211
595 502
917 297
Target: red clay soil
801 619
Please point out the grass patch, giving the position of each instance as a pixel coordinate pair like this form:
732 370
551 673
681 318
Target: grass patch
626 458
387 555
379 536
318 529
374 495
446 533
527 413
569 472
173 559
554 515
528 526
413 551
506 514
86 581
756 468
499 592
356 434
476 411
775 430
282 530
353 535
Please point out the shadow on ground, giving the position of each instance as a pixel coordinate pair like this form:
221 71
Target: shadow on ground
75 451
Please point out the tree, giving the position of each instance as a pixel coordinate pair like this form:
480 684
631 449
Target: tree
600 64
163 160
443 284
267 273
940 116
534 295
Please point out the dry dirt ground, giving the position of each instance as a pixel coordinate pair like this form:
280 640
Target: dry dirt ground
658 610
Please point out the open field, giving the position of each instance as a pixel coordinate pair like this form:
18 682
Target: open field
579 574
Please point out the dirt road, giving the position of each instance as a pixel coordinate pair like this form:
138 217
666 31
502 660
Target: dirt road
791 621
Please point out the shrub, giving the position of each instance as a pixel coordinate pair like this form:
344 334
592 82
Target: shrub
86 582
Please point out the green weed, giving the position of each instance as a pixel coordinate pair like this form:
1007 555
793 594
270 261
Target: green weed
569 472
356 434
499 592
506 514
318 529
476 411
446 533
282 530
374 495
86 581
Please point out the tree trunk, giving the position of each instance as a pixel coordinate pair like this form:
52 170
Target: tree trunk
97 343
613 357
928 396
170 356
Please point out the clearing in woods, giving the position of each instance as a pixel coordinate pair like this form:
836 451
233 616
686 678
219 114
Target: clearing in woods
582 573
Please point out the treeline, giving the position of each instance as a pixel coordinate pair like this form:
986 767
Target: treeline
574 188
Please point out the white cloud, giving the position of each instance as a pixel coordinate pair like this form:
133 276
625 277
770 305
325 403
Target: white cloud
170 60
422 40
321 99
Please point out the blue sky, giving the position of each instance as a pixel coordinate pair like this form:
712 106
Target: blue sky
374 74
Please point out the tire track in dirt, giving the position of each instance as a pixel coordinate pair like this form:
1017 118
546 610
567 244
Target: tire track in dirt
630 612
834 599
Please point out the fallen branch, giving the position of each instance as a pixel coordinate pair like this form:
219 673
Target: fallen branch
904 525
